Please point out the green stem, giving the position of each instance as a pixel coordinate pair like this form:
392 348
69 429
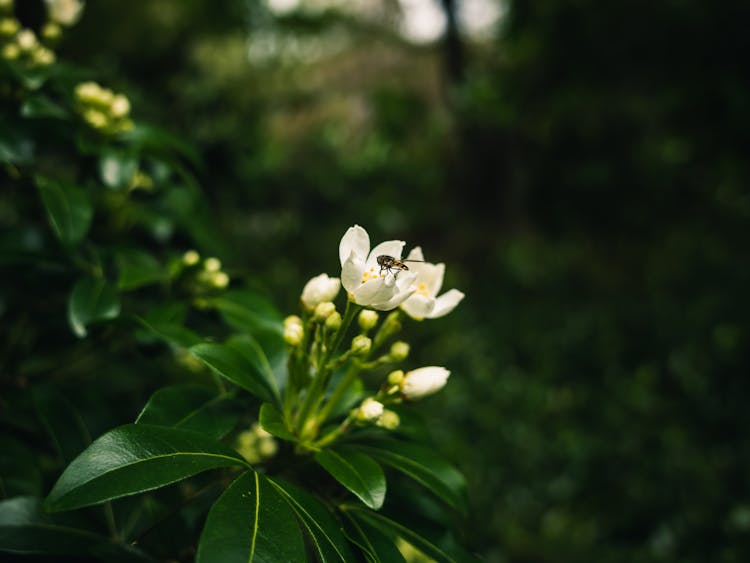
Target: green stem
349 378
109 515
334 434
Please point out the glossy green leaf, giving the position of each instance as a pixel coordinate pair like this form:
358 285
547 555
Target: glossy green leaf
138 268
251 522
62 422
357 472
248 311
91 300
68 208
41 106
26 529
191 407
136 458
170 332
423 465
377 546
325 532
430 548
237 368
271 421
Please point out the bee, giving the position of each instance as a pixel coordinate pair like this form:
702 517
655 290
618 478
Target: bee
389 263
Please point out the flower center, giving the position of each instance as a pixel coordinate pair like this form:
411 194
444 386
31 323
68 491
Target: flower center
371 274
422 290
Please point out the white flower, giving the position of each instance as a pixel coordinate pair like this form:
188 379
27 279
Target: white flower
362 277
425 381
370 409
65 12
319 290
424 303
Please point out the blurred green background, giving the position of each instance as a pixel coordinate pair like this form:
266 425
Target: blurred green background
580 166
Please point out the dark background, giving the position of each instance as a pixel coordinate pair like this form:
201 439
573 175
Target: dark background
581 169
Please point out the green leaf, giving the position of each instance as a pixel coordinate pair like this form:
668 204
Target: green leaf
357 472
170 332
41 106
378 520
117 169
138 268
68 208
91 300
62 422
248 311
254 352
234 366
325 532
421 464
25 529
250 522
191 407
377 546
16 144
271 421
133 459
160 141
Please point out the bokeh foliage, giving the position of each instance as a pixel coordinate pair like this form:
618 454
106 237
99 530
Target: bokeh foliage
585 180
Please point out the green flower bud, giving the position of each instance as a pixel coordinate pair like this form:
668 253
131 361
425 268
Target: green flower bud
388 420
361 345
51 31
333 322
324 310
9 27
294 330
399 351
367 319
11 52
396 377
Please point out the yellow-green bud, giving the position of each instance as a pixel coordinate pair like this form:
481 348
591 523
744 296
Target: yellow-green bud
9 26
95 118
324 310
333 322
43 56
361 345
6 5
369 410
11 52
191 258
212 264
267 447
399 351
120 106
388 420
26 40
294 330
219 280
396 377
367 319
105 96
51 31
87 92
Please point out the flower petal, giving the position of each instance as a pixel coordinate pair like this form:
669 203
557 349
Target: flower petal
373 291
418 306
446 303
351 272
404 288
416 254
388 248
355 240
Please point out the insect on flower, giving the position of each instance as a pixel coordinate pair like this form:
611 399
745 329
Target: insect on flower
389 263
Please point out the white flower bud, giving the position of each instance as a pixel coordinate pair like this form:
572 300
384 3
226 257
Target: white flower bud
388 420
399 351
324 310
361 345
367 319
120 106
319 289
88 92
333 322
212 265
65 12
26 40
294 330
191 258
425 381
369 410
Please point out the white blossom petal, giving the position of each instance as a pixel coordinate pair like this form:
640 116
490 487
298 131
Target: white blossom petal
418 306
388 248
320 289
373 291
416 254
355 240
404 288
351 273
424 381
446 303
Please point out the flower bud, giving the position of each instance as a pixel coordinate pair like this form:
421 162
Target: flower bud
120 106
388 420
11 52
294 330
267 448
191 258
333 322
324 310
65 12
95 118
87 92
26 40
6 5
212 264
320 289
43 56
369 410
425 381
361 345
51 31
9 27
367 319
219 280
395 377
399 351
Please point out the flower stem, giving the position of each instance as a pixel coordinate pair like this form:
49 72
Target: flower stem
346 381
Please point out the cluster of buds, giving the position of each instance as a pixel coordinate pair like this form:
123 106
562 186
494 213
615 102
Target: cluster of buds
22 45
256 445
207 274
326 376
102 109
